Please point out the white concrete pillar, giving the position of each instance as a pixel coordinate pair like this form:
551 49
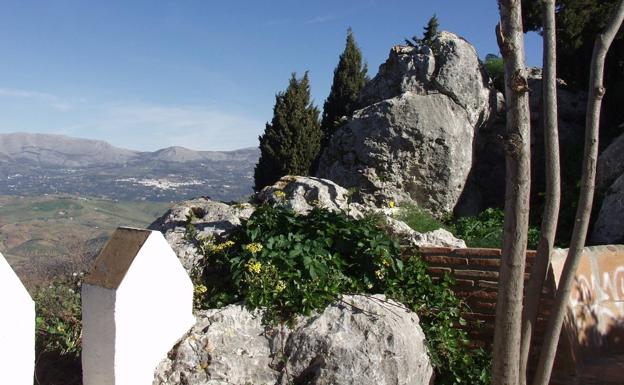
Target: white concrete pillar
136 303
17 329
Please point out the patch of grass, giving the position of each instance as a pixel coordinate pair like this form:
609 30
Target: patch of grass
486 230
419 219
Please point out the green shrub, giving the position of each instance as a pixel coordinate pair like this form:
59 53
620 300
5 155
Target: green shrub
495 67
58 321
293 265
418 219
58 332
486 230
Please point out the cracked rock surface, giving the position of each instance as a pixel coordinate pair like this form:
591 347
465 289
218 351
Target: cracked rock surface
357 340
413 140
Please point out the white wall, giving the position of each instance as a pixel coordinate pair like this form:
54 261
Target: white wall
151 309
154 309
17 329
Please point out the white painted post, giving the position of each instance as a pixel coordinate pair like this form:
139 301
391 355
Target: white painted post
136 303
17 329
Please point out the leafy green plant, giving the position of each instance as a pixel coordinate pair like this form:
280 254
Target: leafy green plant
58 331
291 265
418 219
58 321
486 230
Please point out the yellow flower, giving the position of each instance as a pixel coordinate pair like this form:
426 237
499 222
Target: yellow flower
379 274
200 289
280 286
370 286
391 204
224 245
254 267
253 248
280 195
386 262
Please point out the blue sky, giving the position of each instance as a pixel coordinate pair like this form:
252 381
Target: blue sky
200 74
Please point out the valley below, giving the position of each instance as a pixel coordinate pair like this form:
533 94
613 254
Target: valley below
62 197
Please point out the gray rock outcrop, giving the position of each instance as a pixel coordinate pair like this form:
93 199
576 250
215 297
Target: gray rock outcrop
303 193
209 218
226 346
358 340
609 225
413 141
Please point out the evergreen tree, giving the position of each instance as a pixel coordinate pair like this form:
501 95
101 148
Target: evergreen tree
431 29
291 142
429 33
349 79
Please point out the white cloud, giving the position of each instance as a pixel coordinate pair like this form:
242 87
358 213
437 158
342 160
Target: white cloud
54 101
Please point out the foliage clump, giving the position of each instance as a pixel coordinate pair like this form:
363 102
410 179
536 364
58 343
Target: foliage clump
291 142
58 331
429 33
495 69
349 79
486 230
292 265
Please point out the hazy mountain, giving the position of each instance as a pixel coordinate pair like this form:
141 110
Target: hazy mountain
61 150
37 164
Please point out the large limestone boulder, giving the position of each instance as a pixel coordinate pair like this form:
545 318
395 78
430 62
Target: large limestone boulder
413 141
358 340
209 218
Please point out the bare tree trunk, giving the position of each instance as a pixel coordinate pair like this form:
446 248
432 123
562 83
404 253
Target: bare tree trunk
596 92
553 188
506 354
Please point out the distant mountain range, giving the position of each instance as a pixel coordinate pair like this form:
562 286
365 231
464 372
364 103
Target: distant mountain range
36 164
61 150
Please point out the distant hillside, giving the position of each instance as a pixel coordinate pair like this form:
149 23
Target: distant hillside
44 236
38 164
60 150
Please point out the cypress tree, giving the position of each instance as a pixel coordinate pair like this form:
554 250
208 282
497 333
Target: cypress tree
429 33
291 142
349 79
431 29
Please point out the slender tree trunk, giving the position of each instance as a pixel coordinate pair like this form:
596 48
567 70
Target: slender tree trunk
506 354
596 92
553 188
